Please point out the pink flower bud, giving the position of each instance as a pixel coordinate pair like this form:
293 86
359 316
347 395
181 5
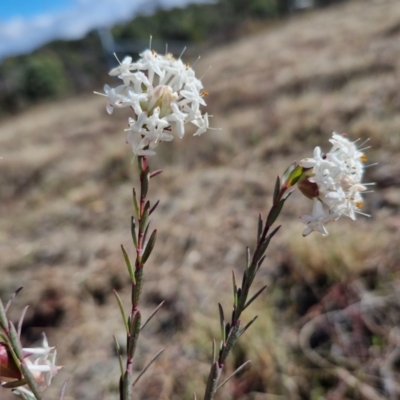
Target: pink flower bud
8 368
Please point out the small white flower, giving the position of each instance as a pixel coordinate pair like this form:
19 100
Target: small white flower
152 63
318 219
41 361
116 99
202 124
123 67
164 95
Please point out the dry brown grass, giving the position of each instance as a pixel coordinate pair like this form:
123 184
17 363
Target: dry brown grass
65 206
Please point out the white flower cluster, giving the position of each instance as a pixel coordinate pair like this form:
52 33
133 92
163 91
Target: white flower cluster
41 361
164 95
336 177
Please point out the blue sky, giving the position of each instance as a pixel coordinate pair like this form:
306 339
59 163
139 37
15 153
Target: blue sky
28 24
27 8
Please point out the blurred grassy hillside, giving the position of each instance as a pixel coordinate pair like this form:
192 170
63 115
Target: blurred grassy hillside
328 322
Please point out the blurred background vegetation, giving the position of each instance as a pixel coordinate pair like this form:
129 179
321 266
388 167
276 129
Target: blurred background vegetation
63 68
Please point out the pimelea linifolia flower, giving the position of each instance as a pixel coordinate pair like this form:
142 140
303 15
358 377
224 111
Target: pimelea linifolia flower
41 361
333 181
164 95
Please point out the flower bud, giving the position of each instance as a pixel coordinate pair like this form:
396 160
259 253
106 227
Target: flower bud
309 189
8 367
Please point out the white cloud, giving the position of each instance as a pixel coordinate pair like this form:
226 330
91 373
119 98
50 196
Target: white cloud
20 35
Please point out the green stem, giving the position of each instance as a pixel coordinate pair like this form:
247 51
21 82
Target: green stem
231 331
134 317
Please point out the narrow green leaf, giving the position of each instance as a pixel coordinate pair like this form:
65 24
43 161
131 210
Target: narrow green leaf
149 246
31 382
12 299
135 204
16 344
3 317
144 183
21 320
133 231
214 351
143 371
248 258
152 209
254 297
13 384
274 212
127 386
222 321
145 216
146 230
265 244
227 329
122 311
128 264
273 233
139 160
277 190
233 374
118 352
260 261
152 315
259 228
288 171
235 298
121 387
212 381
247 326
245 278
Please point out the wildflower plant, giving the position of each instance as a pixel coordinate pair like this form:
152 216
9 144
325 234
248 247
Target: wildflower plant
164 96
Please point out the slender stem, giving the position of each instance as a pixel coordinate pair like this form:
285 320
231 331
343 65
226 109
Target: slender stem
136 288
135 316
232 331
144 244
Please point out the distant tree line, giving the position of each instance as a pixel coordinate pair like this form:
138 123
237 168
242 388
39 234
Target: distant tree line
285 7
58 69
62 68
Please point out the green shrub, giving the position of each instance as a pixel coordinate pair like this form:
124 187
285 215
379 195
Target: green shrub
43 77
